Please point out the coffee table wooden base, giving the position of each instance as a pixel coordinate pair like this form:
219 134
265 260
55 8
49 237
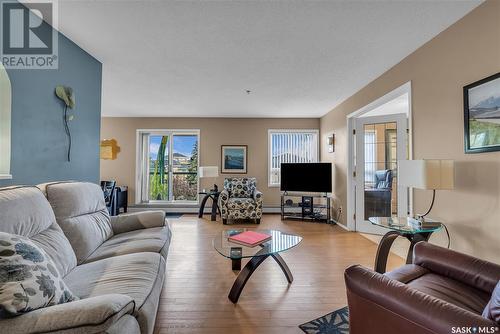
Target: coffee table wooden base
248 270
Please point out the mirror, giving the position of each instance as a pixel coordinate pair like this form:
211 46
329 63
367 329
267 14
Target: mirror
5 116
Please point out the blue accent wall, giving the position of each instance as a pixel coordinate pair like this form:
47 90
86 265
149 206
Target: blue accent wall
38 139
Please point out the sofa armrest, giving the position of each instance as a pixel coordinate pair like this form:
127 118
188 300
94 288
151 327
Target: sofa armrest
89 315
138 220
472 271
224 197
257 196
393 307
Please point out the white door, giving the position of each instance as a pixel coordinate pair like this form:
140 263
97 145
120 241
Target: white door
380 142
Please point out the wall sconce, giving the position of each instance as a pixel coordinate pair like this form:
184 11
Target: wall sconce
109 149
331 143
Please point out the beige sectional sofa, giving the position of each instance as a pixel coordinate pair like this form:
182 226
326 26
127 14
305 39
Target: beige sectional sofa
115 265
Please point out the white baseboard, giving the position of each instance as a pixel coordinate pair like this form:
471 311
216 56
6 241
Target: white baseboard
189 209
343 226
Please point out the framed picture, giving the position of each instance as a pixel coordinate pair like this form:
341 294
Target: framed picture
234 159
482 115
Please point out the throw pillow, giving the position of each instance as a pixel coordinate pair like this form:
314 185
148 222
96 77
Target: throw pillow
492 309
28 278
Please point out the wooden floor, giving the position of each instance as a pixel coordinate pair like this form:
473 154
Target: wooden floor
194 298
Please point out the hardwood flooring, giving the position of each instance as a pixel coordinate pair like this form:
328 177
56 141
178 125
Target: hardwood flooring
194 298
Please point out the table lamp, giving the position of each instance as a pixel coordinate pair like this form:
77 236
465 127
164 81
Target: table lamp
427 174
209 171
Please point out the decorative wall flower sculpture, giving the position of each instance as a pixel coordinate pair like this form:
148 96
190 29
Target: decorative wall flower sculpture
66 95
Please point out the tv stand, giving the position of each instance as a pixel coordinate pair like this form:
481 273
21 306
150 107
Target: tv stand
306 206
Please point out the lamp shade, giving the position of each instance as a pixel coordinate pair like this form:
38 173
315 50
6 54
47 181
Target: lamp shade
209 171
427 174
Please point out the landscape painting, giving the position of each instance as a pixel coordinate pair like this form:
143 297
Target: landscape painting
482 115
234 159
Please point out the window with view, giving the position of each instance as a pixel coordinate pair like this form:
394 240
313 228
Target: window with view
169 165
290 146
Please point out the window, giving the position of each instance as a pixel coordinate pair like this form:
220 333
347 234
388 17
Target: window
5 104
370 157
290 146
168 165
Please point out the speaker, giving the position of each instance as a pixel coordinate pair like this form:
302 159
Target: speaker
307 206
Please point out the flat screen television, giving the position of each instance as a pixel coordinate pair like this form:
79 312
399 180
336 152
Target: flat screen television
306 177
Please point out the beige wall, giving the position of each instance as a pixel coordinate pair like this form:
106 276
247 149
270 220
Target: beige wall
467 51
214 132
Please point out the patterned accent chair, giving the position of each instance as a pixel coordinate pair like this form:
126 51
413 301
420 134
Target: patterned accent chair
240 199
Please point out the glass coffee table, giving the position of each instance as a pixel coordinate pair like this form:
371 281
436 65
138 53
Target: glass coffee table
410 228
279 242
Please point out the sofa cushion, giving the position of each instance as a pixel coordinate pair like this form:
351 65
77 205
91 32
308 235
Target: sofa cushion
406 273
492 309
241 204
28 278
156 240
451 291
81 212
90 315
139 276
26 212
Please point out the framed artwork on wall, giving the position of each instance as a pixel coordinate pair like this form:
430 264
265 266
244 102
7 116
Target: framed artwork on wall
482 115
234 159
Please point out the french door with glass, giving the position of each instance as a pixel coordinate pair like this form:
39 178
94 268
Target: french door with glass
380 142
168 165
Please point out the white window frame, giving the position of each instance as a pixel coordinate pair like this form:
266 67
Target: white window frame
5 124
142 187
270 132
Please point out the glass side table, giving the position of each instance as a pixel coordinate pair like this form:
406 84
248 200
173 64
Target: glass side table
279 242
214 195
410 228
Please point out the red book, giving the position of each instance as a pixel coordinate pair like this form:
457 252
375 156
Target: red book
250 238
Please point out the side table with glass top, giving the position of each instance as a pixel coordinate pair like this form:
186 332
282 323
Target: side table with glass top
214 195
410 228
279 242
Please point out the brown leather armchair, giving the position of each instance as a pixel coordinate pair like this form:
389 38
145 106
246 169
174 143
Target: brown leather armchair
442 289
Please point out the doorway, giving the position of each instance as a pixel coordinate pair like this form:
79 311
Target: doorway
381 136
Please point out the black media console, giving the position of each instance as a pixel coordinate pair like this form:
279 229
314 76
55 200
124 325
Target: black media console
306 207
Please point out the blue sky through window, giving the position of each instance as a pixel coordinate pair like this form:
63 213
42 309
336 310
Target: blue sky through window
182 144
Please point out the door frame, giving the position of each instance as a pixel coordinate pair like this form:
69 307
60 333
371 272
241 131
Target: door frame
140 187
351 182
401 121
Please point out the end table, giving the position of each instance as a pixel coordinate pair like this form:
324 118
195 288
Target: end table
407 227
214 195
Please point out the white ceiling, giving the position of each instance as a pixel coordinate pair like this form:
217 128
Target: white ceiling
399 105
198 58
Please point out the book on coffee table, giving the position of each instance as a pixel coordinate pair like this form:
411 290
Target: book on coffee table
249 238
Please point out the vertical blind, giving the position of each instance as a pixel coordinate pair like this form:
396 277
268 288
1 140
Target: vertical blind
290 146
